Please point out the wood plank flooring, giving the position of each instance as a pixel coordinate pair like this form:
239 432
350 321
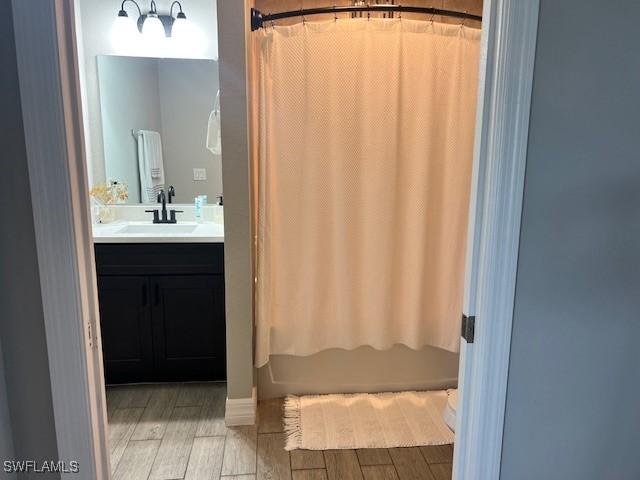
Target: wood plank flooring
177 431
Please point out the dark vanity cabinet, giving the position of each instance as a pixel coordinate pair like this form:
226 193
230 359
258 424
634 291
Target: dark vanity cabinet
162 311
125 324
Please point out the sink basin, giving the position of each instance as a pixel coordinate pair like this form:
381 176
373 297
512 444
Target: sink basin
157 228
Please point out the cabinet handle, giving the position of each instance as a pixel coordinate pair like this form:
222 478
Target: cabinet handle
157 294
144 295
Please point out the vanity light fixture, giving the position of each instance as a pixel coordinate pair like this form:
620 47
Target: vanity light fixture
180 27
153 27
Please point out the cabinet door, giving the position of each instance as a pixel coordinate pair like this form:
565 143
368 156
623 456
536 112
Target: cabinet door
189 327
125 322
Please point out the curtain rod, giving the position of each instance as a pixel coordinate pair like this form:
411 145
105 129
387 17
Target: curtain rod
258 19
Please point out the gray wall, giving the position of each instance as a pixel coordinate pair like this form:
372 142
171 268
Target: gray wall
6 432
233 15
24 350
574 377
187 95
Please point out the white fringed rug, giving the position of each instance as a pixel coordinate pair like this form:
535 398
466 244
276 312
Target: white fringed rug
362 420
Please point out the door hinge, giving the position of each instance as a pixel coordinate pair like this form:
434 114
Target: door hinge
468 327
90 334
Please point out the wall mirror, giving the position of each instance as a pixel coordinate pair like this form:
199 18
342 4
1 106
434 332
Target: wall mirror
160 127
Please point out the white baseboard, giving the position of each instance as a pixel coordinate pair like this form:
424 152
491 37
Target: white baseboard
241 411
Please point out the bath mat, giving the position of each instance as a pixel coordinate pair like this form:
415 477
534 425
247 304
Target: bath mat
366 420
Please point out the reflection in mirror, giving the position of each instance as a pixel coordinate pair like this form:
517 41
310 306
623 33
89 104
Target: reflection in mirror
160 126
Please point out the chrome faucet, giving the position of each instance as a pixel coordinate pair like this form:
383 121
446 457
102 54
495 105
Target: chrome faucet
161 217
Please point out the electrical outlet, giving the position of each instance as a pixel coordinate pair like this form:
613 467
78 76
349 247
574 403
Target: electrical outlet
199 173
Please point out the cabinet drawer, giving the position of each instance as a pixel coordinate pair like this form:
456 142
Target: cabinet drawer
159 258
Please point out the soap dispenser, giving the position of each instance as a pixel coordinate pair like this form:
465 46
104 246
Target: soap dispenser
198 208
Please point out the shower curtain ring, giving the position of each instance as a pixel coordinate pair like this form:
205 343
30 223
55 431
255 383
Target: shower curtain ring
400 11
463 19
433 14
335 15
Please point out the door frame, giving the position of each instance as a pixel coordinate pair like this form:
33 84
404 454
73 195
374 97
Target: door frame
50 94
504 103
48 75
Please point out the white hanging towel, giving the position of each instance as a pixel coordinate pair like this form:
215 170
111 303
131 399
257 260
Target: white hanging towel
151 165
214 142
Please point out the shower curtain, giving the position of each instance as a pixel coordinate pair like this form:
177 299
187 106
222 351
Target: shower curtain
363 180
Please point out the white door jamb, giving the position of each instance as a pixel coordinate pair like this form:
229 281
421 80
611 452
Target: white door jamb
506 79
50 97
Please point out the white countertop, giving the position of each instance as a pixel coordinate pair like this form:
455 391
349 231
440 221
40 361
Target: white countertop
125 231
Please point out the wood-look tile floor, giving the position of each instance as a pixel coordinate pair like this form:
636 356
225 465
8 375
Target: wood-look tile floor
177 431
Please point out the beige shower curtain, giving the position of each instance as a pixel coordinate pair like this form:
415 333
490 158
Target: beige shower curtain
363 178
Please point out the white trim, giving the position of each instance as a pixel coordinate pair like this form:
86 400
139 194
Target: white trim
241 411
505 106
48 76
477 173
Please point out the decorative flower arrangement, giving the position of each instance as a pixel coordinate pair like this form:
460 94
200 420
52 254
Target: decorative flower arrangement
110 192
106 195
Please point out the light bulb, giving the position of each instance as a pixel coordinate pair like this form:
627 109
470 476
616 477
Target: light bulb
124 33
186 37
152 28
180 30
